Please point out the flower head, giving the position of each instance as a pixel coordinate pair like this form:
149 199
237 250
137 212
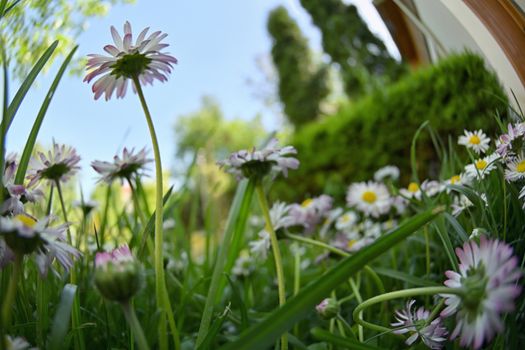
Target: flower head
504 144
15 195
415 321
475 140
25 235
488 273
310 212
389 171
59 164
142 60
328 308
258 163
482 167
371 198
118 275
412 191
130 165
515 169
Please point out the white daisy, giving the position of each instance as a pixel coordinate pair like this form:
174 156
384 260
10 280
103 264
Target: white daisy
259 248
311 211
410 320
371 198
259 163
412 191
58 164
346 221
459 204
515 169
475 140
129 166
482 167
389 171
489 273
144 60
432 187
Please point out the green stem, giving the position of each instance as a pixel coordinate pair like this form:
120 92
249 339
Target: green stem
134 197
75 314
104 222
346 326
355 290
50 201
296 284
160 284
276 253
134 324
405 293
9 298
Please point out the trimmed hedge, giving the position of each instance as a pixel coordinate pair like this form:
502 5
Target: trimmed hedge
457 93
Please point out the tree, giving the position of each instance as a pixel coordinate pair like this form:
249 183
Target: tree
29 27
362 57
302 84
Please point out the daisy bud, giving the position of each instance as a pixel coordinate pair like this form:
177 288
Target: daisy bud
328 308
118 275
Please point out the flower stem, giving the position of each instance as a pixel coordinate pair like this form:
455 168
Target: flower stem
75 314
276 253
405 293
160 286
9 298
134 324
104 222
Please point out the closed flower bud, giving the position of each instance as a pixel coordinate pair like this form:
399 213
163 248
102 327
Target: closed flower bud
118 275
328 308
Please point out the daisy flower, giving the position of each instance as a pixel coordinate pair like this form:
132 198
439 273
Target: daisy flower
244 265
412 191
259 248
16 194
57 165
130 165
311 211
346 221
488 273
258 163
482 167
410 320
504 142
432 187
459 204
475 140
25 235
143 61
389 171
371 198
118 275
515 169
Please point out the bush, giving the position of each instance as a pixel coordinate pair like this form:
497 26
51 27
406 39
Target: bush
455 94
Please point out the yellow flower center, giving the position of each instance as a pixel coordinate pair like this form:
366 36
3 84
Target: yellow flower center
413 187
26 220
307 202
481 164
455 179
520 168
351 243
369 197
345 218
474 140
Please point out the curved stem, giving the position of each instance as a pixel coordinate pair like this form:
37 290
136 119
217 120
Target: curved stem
405 293
160 286
276 253
134 324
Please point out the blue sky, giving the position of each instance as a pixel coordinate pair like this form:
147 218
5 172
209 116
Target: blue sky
216 43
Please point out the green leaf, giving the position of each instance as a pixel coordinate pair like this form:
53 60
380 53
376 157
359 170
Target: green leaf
237 299
457 227
24 88
236 220
348 343
31 140
413 162
279 321
62 318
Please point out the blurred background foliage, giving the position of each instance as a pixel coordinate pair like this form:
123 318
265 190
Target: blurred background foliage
37 23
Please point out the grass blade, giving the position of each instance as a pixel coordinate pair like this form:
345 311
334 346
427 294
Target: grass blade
31 140
405 277
24 88
236 219
413 162
61 321
298 307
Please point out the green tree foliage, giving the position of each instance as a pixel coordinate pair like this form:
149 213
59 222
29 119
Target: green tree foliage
362 57
210 133
29 27
458 93
302 84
